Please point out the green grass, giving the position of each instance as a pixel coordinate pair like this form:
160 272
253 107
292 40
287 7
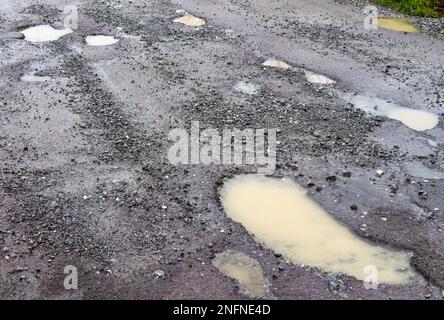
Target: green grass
425 8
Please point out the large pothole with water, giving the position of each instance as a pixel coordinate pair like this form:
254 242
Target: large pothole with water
280 215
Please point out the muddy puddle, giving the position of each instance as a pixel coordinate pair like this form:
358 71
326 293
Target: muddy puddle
191 21
32 77
276 64
245 270
396 24
415 119
420 170
280 215
44 33
318 78
247 88
100 40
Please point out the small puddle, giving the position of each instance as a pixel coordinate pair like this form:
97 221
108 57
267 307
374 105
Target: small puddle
101 40
420 170
247 88
397 24
279 213
191 21
276 64
415 119
31 77
318 78
44 33
245 270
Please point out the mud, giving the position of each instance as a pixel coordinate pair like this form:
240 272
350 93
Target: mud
85 180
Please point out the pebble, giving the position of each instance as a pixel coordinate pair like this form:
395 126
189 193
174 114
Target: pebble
159 273
346 174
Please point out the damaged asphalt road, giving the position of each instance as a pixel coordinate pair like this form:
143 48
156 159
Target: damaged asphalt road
85 179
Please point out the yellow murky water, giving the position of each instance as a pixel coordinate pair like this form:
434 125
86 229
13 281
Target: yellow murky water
418 120
100 40
276 64
190 21
245 270
318 78
281 215
44 33
397 24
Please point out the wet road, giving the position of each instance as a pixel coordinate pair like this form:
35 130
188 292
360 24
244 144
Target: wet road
86 180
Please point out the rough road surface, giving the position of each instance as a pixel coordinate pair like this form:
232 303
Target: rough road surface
85 179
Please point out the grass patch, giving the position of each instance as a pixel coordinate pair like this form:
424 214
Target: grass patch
425 8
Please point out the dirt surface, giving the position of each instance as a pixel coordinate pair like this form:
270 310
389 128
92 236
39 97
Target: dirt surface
85 179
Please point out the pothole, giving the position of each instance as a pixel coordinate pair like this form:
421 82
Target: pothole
31 77
318 78
276 64
420 170
418 120
191 21
279 214
44 33
245 270
397 24
100 40
247 88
